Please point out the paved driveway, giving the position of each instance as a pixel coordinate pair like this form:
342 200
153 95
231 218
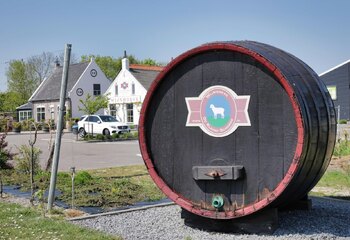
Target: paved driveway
81 154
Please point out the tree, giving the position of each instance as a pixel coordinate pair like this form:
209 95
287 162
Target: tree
9 101
19 80
150 62
23 77
111 66
5 156
92 104
73 58
40 66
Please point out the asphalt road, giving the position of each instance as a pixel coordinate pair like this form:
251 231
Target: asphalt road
83 155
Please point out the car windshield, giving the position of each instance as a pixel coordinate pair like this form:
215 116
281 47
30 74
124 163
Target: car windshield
108 119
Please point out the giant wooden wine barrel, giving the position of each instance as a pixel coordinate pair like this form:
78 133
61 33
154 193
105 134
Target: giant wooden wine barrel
230 128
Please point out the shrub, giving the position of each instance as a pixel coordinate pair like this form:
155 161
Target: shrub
82 177
108 137
343 121
129 135
23 159
136 134
100 137
5 154
3 124
115 135
16 124
88 136
342 147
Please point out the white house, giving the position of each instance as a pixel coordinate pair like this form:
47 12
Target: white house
83 78
129 89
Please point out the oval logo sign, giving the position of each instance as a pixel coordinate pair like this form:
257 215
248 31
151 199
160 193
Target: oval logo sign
218 111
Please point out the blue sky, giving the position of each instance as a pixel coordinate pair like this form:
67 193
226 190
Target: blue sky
315 31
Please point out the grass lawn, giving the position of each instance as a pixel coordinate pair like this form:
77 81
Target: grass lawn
336 179
334 183
17 222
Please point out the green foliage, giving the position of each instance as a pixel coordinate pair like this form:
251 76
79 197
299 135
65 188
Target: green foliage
5 154
23 159
88 137
111 66
100 137
111 187
150 62
92 104
16 124
9 101
19 80
342 148
82 178
335 179
3 124
129 135
115 135
343 121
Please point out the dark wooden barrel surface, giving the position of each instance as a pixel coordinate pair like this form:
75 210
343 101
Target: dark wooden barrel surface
284 150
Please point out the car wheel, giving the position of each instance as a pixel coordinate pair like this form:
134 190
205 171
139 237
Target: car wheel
106 132
82 132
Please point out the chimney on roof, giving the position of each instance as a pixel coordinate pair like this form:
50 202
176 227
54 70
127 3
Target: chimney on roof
57 63
125 62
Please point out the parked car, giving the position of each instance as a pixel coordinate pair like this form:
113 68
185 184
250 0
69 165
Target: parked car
101 124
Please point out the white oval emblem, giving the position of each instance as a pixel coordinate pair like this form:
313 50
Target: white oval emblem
218 111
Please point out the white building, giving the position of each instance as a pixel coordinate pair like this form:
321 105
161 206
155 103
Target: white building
83 78
129 89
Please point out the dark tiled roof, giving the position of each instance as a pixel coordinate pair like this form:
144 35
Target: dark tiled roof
50 89
26 106
145 77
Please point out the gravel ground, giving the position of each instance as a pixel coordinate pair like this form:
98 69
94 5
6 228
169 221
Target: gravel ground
328 219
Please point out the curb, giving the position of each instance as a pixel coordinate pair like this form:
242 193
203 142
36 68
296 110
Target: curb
121 211
116 140
331 199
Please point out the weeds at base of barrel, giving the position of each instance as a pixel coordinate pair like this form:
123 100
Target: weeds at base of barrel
105 188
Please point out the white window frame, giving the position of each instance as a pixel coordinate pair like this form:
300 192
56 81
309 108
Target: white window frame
42 112
130 113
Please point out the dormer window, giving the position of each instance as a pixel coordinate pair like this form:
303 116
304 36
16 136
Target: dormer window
133 88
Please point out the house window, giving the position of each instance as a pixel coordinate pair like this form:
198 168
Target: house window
40 114
97 89
332 91
113 110
130 112
25 115
116 89
133 88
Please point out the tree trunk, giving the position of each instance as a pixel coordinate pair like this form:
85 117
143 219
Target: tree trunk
1 186
32 176
49 159
32 143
